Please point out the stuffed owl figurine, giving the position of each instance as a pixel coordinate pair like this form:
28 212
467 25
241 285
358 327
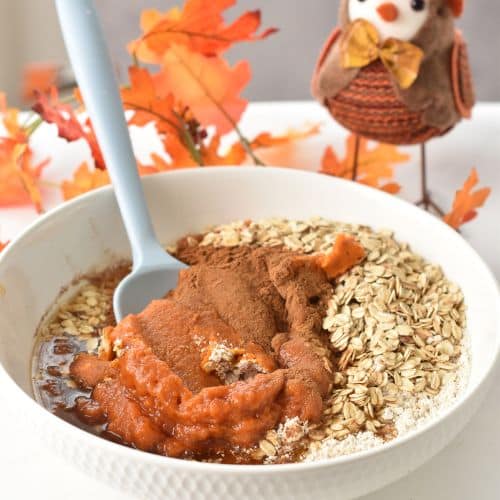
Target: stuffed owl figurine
396 71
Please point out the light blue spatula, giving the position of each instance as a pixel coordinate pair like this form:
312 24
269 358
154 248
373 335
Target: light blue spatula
154 271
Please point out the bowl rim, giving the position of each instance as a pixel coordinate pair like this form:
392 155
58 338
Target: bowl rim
195 466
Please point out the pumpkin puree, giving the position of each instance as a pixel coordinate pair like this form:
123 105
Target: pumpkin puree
157 392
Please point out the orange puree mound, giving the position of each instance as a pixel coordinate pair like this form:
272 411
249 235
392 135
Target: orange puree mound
345 254
225 357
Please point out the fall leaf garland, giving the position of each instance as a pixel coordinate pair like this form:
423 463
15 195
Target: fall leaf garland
193 89
193 97
187 46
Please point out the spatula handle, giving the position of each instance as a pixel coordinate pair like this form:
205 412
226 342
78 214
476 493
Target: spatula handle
93 69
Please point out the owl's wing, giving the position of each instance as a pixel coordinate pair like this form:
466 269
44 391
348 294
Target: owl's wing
330 42
325 51
461 77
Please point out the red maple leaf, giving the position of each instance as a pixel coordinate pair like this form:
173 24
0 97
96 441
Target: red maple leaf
51 110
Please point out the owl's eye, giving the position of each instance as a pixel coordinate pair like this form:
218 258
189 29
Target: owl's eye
418 5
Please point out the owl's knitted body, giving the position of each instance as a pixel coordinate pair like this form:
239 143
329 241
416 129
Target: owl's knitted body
370 102
370 107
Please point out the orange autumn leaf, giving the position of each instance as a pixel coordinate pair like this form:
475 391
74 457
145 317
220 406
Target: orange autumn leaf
467 202
143 98
30 175
11 121
19 176
390 187
267 140
207 85
212 154
158 165
13 125
331 165
180 157
374 164
83 181
209 154
38 77
199 26
345 254
234 155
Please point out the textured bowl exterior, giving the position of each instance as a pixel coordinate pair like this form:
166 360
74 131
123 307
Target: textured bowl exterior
145 477
87 234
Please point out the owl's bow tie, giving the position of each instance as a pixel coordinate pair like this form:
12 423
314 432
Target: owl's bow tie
361 45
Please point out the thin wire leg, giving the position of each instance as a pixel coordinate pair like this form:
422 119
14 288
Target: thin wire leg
426 201
423 176
355 162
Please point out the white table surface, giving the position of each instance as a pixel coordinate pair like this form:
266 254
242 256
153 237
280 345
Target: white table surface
468 468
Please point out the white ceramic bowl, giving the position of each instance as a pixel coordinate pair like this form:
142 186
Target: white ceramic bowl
87 234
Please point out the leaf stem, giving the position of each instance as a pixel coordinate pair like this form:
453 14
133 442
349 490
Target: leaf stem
30 129
33 126
244 141
135 107
246 144
135 59
68 99
180 129
189 142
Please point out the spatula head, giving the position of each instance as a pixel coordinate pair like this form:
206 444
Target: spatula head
141 287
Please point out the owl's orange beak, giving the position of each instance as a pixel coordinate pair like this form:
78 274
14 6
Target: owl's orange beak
388 12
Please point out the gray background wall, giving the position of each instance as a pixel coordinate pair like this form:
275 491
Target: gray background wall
282 64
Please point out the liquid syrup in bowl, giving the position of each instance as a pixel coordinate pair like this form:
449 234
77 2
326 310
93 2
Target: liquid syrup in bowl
71 327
